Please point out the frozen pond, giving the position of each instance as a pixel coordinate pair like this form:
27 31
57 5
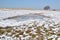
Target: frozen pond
26 17
20 19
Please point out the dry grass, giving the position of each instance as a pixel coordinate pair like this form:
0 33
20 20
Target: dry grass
41 34
2 31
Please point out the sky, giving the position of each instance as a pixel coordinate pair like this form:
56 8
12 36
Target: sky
34 4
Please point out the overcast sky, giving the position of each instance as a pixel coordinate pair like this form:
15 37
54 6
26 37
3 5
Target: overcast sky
35 4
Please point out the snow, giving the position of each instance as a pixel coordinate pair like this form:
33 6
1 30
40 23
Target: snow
11 13
20 17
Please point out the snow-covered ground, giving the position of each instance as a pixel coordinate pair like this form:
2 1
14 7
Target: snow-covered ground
18 18
15 17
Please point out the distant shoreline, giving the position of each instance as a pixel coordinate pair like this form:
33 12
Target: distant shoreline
5 9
